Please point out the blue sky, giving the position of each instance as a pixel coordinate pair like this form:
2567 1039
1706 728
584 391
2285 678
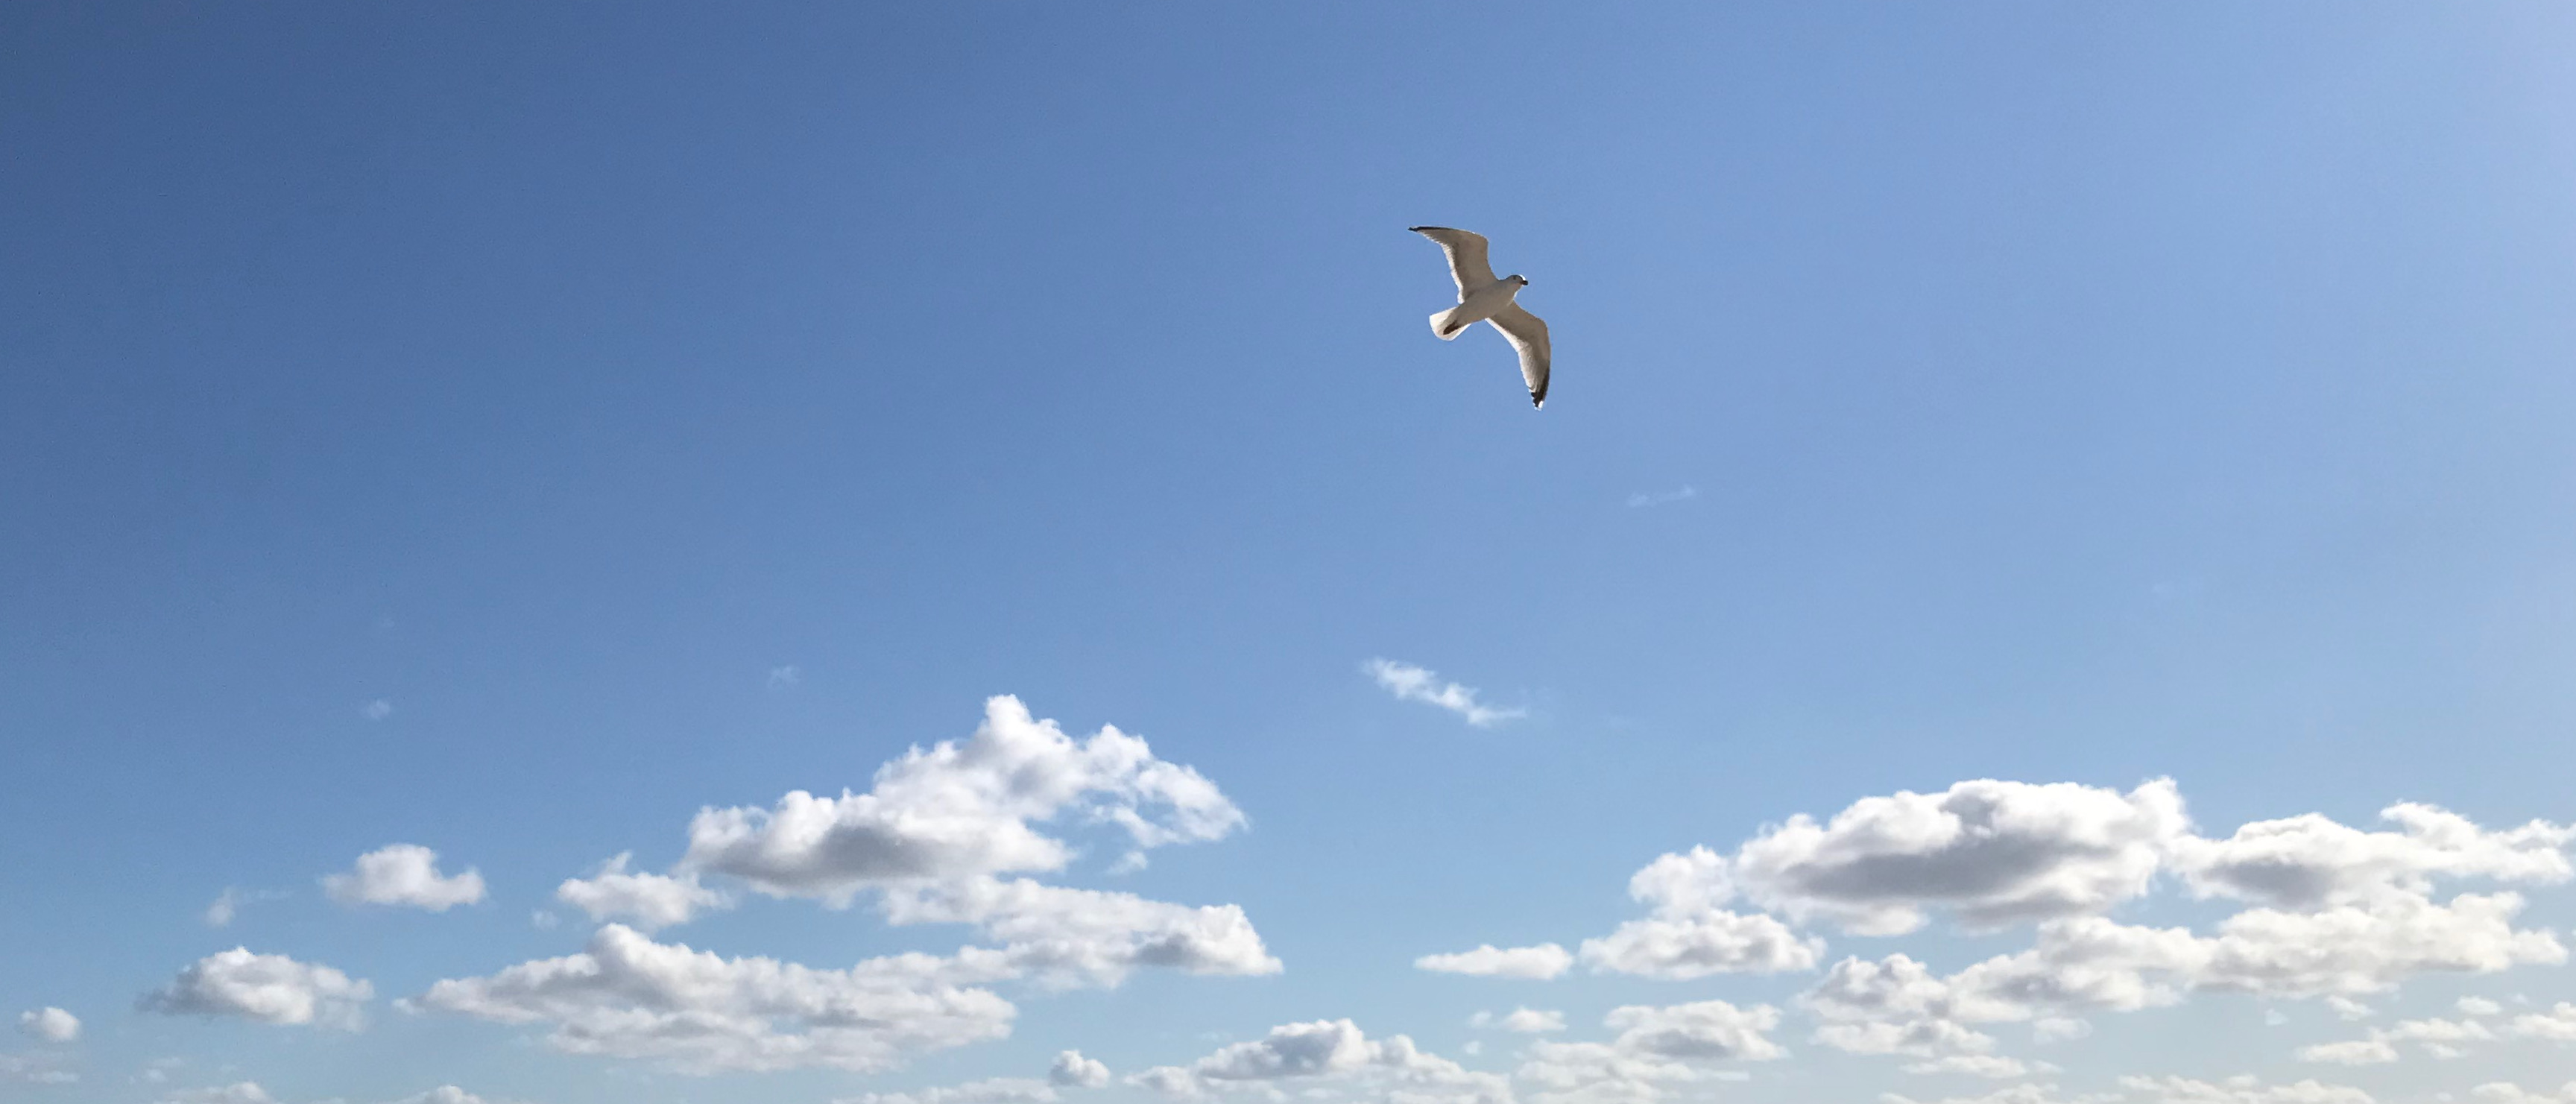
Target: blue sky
2047 438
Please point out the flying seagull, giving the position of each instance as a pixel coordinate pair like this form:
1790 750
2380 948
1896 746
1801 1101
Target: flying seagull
1482 298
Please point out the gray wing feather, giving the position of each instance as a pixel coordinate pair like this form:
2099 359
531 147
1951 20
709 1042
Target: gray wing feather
1529 336
1467 264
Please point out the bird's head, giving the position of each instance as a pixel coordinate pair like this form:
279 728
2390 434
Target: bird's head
1517 278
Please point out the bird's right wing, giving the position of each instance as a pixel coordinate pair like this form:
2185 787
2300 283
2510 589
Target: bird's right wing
1529 336
1466 250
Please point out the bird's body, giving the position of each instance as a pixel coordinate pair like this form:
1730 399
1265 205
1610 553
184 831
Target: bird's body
1483 298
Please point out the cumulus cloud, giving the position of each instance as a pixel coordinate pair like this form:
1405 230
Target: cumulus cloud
994 1090
1329 1052
2310 861
2506 1092
1527 1021
2440 1038
649 901
2558 1023
1073 1071
627 996
2015 1094
1068 937
444 1094
1411 683
2479 1006
239 1092
1993 854
271 989
404 874
2238 1090
1541 962
49 1024
1657 1050
961 810
1687 935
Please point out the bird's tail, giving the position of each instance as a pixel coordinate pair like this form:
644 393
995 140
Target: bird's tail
1447 324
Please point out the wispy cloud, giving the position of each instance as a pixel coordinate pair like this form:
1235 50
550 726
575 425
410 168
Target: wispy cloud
377 710
1411 683
1644 499
788 675
229 903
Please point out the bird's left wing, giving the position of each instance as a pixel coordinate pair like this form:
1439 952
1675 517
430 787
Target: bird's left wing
1466 250
1529 336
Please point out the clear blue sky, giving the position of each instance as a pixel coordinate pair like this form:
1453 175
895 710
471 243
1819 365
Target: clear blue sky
510 429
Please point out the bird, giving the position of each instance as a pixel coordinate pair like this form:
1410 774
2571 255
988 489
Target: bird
1482 298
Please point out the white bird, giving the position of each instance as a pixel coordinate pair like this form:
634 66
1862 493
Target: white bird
1482 298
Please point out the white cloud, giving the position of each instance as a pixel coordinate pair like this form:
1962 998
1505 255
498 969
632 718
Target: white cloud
1330 1052
1644 499
627 996
1996 1066
1704 1031
1687 935
1069 937
1656 1050
2237 1090
404 874
1992 853
994 1090
2059 1029
1679 949
2348 1009
2030 1093
1073 1071
227 905
651 901
377 710
2506 1092
2479 1006
788 675
1411 683
2558 1023
444 1094
2440 1037
1541 962
240 1092
2309 861
961 810
1527 1021
52 1025
271 989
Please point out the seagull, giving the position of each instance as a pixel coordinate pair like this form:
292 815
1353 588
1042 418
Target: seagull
1482 298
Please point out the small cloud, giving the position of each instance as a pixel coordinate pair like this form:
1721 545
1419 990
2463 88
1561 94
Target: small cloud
1073 1071
2479 1006
2274 1017
404 874
377 710
1411 683
228 904
52 1025
1645 499
1129 863
789 675
2059 1029
1541 962
544 920
1527 1021
2348 1008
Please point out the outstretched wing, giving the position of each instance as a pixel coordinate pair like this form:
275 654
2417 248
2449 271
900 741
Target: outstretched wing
1466 252
1529 335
